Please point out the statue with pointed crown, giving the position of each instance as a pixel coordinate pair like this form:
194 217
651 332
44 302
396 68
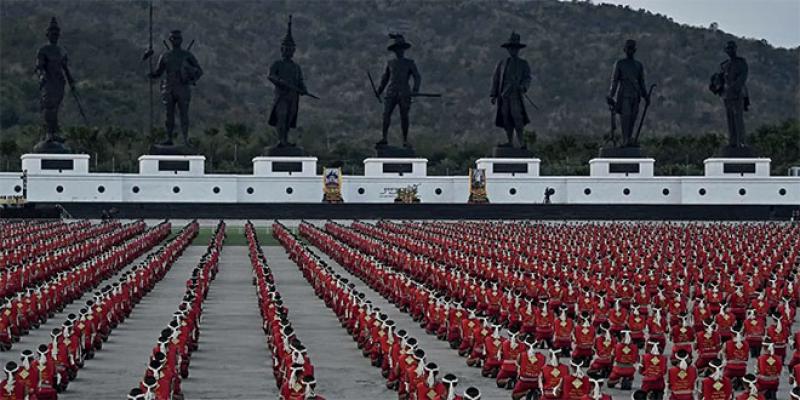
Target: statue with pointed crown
287 76
54 74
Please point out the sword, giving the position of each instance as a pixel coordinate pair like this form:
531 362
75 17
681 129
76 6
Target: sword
426 95
530 101
78 102
289 86
644 113
374 90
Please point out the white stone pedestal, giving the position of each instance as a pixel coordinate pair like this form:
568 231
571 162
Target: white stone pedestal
172 165
285 166
732 167
509 167
394 167
621 167
42 163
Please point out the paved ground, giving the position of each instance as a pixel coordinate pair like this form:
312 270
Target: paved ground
121 363
340 369
436 350
232 361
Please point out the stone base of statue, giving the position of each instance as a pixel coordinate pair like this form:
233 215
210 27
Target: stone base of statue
621 152
51 147
172 165
284 151
396 167
167 149
735 152
285 166
54 163
509 167
622 166
511 152
733 167
387 151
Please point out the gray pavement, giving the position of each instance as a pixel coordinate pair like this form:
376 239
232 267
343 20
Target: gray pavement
340 369
232 361
436 350
120 365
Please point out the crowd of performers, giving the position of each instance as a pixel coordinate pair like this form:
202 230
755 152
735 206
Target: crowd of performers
170 358
98 279
291 365
686 311
402 360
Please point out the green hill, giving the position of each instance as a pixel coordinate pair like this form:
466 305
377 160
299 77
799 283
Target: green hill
571 49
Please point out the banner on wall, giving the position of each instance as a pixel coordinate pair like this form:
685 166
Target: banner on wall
477 186
332 185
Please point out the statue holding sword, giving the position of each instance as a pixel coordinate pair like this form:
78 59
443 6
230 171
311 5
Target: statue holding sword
287 77
395 80
54 74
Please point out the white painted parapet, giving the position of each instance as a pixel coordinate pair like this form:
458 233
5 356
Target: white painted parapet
168 165
622 167
736 167
285 166
396 167
509 167
69 164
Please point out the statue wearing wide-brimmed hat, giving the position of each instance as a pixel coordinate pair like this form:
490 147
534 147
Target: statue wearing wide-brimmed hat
510 81
398 92
54 74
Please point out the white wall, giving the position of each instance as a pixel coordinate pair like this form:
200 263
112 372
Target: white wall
431 189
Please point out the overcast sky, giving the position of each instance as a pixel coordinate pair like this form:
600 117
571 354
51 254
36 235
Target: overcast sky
778 21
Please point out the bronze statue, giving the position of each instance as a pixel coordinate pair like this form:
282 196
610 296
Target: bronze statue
731 84
510 81
181 70
627 90
53 71
287 77
398 93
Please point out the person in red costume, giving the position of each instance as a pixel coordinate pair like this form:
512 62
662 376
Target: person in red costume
768 371
472 393
428 387
309 384
750 389
682 378
576 385
510 353
552 378
736 352
531 363
450 382
716 386
626 357
602 360
10 387
653 369
597 391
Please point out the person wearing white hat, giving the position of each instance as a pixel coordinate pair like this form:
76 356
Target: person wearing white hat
597 391
292 388
10 387
309 386
429 387
795 393
492 346
576 385
604 345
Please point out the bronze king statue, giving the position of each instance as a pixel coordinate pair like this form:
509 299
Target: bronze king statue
510 82
181 71
627 90
731 84
395 80
287 77
53 72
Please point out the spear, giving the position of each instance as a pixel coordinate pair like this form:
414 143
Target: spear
644 113
148 55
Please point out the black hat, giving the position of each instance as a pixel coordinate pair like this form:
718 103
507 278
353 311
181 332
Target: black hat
399 42
288 40
513 42
53 25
